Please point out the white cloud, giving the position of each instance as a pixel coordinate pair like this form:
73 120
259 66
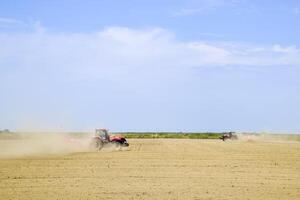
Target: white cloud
9 22
115 51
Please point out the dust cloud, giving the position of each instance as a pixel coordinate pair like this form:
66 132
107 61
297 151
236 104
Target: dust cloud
43 144
278 138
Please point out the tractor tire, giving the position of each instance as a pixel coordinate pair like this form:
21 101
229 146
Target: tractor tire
96 145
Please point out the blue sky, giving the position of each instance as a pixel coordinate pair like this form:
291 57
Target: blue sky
205 65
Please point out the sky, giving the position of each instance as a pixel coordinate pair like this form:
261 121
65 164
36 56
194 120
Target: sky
141 65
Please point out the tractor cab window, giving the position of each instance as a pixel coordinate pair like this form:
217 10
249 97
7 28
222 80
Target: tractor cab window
102 134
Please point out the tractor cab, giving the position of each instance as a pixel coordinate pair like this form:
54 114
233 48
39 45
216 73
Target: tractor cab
102 133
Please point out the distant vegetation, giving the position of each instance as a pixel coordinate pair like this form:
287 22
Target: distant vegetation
179 135
205 135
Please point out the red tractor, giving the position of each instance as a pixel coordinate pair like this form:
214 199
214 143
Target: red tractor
102 138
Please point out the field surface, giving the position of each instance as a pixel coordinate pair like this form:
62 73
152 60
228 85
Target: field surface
158 169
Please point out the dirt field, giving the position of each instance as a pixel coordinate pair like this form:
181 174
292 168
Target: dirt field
159 169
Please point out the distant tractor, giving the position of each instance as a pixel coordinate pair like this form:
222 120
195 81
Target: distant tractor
102 138
229 136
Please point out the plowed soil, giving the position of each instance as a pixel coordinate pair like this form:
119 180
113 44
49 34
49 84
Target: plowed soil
158 169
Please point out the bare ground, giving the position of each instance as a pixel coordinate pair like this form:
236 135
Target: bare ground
158 169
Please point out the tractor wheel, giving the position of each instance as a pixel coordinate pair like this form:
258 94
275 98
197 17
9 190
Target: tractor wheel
100 145
96 145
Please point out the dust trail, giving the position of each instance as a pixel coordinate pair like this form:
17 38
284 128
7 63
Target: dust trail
43 144
250 137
